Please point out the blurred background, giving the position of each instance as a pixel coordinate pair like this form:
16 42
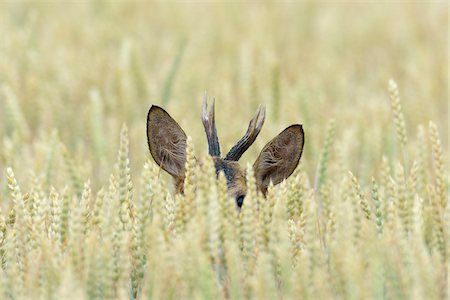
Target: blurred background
72 74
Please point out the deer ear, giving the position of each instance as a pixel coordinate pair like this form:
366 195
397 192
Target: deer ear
279 158
166 141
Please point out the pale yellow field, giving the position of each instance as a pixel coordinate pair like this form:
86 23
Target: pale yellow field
86 214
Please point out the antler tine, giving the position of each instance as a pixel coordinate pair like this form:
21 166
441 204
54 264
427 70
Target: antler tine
254 127
209 122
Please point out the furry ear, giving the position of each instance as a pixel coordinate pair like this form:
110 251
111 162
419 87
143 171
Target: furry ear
167 142
279 158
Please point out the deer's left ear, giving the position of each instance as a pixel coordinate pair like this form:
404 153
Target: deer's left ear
167 142
279 158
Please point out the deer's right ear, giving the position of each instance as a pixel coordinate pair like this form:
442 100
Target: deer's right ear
166 141
279 158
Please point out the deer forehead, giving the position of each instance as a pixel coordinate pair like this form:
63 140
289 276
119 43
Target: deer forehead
234 174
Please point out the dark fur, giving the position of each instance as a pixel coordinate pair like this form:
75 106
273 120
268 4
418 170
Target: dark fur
235 176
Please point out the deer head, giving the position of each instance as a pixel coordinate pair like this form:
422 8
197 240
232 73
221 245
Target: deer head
276 162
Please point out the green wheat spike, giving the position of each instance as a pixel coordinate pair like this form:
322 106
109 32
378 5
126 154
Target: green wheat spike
171 76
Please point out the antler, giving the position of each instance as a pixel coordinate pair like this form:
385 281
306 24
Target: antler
254 127
209 123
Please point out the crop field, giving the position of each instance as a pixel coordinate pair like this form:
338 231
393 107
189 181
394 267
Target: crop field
86 213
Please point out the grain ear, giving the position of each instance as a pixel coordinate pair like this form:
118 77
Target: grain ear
279 158
166 141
